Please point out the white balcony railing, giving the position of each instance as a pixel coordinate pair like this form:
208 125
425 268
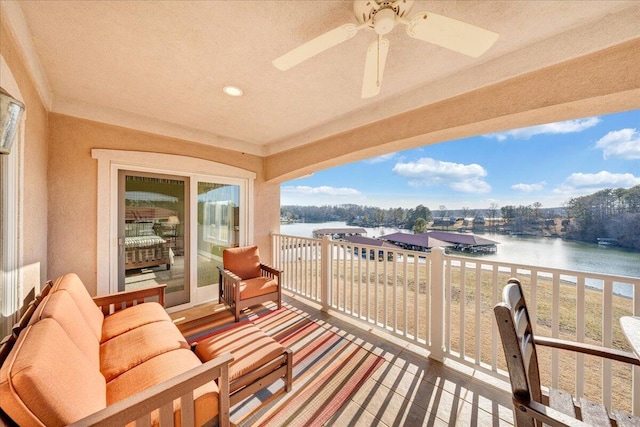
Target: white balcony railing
444 303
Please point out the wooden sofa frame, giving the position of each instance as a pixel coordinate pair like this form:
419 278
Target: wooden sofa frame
252 382
138 407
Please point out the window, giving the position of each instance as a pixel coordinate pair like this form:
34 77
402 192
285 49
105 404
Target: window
10 211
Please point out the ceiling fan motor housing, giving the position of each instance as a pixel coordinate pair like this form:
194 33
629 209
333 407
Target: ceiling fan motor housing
365 11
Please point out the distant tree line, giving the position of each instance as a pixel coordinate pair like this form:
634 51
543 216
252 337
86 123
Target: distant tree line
362 216
355 215
611 213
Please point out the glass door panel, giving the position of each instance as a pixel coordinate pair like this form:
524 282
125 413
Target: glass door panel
218 228
153 216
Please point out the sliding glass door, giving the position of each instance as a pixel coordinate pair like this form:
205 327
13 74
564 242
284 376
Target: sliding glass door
172 230
218 228
153 217
165 218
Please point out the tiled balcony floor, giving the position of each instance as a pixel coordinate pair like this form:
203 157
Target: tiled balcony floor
409 389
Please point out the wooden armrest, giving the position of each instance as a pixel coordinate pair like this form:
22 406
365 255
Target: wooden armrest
548 415
270 269
128 297
162 396
228 274
594 350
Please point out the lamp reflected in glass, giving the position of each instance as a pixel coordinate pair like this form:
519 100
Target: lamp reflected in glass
10 112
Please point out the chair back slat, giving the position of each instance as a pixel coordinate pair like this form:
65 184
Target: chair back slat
514 325
532 408
521 320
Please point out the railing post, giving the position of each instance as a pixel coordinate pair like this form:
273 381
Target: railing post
274 260
437 304
326 262
635 375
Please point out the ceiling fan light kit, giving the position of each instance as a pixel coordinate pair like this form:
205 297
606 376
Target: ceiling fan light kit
382 16
384 21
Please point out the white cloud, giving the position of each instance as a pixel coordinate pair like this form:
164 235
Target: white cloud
584 183
529 188
457 176
569 126
318 196
323 190
624 143
380 159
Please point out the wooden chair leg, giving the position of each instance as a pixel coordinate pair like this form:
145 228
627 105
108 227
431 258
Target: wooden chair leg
288 381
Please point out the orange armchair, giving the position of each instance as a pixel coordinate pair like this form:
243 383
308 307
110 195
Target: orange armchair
245 282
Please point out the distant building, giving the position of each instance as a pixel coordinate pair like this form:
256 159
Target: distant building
338 233
443 221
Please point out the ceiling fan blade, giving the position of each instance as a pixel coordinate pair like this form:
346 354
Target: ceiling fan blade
315 46
451 33
374 68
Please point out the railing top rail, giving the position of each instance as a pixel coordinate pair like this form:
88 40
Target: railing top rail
295 237
359 245
539 268
553 270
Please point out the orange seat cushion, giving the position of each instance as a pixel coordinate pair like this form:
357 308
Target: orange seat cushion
258 286
161 368
243 261
125 351
249 346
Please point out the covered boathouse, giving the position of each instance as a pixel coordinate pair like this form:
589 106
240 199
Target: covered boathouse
338 233
469 243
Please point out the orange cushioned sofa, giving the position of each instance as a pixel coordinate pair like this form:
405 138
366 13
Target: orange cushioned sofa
108 360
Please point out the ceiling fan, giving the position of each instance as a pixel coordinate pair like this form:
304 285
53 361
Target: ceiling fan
382 16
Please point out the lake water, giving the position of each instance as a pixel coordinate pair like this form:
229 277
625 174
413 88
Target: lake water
548 252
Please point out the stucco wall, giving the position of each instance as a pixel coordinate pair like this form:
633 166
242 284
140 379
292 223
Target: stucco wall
73 188
33 221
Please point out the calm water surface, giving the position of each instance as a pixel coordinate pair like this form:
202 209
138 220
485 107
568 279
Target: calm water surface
548 252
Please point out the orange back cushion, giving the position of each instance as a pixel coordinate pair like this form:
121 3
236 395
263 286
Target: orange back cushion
72 284
60 307
243 261
47 380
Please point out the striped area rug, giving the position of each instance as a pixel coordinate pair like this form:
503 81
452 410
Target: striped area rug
328 369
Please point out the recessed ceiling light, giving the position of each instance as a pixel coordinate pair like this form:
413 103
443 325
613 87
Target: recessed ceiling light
232 91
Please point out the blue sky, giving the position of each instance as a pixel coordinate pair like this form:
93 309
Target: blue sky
548 164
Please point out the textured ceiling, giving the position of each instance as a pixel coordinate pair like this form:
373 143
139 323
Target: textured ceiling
160 65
